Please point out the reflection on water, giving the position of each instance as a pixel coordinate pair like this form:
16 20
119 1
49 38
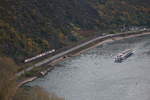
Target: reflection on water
94 76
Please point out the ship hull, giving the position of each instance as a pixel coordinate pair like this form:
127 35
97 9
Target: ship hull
121 58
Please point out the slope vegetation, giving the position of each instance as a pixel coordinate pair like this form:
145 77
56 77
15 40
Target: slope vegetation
29 27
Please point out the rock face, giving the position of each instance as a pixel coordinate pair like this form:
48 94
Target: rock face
33 26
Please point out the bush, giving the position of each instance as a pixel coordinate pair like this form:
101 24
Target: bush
112 32
34 93
7 78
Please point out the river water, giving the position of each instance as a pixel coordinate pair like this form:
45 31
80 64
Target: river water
94 76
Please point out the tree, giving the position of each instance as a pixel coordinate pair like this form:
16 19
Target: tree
34 93
7 78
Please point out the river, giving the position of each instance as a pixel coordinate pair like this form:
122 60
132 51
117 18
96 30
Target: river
94 76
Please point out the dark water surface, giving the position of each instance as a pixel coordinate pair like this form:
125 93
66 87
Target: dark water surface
94 76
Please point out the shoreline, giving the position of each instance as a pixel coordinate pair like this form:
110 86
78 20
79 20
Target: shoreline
78 52
55 62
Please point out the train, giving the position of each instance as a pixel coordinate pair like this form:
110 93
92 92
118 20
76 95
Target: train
38 56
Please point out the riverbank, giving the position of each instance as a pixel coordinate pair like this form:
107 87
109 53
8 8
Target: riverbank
98 43
104 39
96 75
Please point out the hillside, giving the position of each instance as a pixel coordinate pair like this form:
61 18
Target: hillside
29 27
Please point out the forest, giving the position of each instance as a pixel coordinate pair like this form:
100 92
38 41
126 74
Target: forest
30 27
